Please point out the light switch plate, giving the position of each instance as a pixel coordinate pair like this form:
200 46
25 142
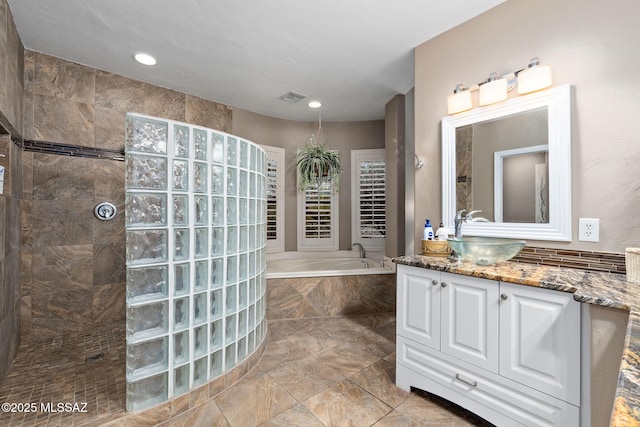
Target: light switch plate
589 229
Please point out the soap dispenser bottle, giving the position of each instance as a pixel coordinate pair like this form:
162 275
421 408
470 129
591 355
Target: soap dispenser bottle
428 231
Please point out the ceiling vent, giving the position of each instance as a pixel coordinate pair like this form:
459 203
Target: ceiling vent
292 97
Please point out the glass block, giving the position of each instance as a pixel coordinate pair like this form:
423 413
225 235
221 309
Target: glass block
180 348
180 314
180 380
146 172
147 358
181 244
232 151
251 342
201 280
230 356
200 371
243 211
252 237
252 264
202 242
201 205
231 300
232 182
252 290
217 142
252 318
254 157
232 269
145 321
216 364
216 334
243 267
216 304
230 328
199 177
200 144
217 211
232 240
147 283
242 349
146 135
217 275
252 185
243 239
244 154
232 211
180 175
180 141
180 210
199 308
217 180
147 392
242 323
146 247
243 294
145 209
217 241
262 187
253 211
182 279
200 340
243 184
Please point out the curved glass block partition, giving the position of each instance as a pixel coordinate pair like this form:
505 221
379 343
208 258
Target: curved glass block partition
196 236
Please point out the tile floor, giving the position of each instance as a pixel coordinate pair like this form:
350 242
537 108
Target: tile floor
336 371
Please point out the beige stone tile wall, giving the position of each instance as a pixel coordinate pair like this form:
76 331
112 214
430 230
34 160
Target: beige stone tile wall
74 264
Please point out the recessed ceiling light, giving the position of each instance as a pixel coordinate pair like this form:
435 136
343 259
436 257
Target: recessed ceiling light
315 104
145 59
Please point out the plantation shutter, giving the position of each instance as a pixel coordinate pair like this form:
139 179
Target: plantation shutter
317 219
368 198
275 199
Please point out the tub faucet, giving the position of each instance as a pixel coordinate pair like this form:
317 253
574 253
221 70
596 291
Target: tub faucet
461 217
360 248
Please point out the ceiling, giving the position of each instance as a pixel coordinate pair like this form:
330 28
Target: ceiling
352 55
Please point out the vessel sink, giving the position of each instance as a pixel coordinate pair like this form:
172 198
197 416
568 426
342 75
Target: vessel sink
486 250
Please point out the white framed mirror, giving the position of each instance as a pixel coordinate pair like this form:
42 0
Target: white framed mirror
537 124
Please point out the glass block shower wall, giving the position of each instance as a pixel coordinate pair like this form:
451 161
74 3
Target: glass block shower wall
196 239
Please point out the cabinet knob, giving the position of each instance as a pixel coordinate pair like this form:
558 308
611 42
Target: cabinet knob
434 282
443 284
504 297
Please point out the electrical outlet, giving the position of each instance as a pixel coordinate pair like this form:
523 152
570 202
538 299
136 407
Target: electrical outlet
589 229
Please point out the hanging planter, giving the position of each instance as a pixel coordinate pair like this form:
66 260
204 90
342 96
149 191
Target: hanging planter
317 165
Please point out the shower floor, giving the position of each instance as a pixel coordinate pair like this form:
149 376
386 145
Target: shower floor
314 372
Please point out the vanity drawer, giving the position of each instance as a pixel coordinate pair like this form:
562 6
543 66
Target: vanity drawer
490 396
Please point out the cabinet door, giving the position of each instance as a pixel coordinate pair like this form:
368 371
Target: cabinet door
418 310
540 336
470 320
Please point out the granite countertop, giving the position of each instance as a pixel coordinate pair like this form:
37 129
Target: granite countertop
591 287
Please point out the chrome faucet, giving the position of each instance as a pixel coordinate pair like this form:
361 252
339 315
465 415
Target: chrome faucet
461 217
360 248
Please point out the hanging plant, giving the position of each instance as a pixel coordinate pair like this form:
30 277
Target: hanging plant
317 165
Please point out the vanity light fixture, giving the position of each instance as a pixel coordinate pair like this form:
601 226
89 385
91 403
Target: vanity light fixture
145 59
496 88
534 78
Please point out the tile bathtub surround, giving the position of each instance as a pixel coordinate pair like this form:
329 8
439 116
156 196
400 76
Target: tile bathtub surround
331 296
590 287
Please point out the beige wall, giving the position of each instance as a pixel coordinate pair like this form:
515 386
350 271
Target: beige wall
591 45
394 118
287 134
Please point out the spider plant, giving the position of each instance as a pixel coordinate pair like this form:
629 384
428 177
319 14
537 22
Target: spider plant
318 165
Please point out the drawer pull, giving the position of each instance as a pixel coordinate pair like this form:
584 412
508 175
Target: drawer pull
504 297
434 282
471 383
443 284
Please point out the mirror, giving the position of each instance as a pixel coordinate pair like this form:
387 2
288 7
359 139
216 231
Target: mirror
513 161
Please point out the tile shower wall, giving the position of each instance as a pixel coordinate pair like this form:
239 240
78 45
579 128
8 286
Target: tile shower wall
73 265
195 249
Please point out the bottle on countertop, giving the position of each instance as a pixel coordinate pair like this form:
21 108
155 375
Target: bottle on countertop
441 233
428 231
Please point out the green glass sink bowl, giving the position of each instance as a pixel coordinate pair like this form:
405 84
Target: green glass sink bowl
486 250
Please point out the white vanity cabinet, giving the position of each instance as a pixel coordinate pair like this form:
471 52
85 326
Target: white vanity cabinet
509 353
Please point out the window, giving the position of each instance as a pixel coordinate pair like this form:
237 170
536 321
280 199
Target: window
275 198
317 219
368 198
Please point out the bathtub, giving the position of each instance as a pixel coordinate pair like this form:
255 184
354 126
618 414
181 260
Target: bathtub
322 264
